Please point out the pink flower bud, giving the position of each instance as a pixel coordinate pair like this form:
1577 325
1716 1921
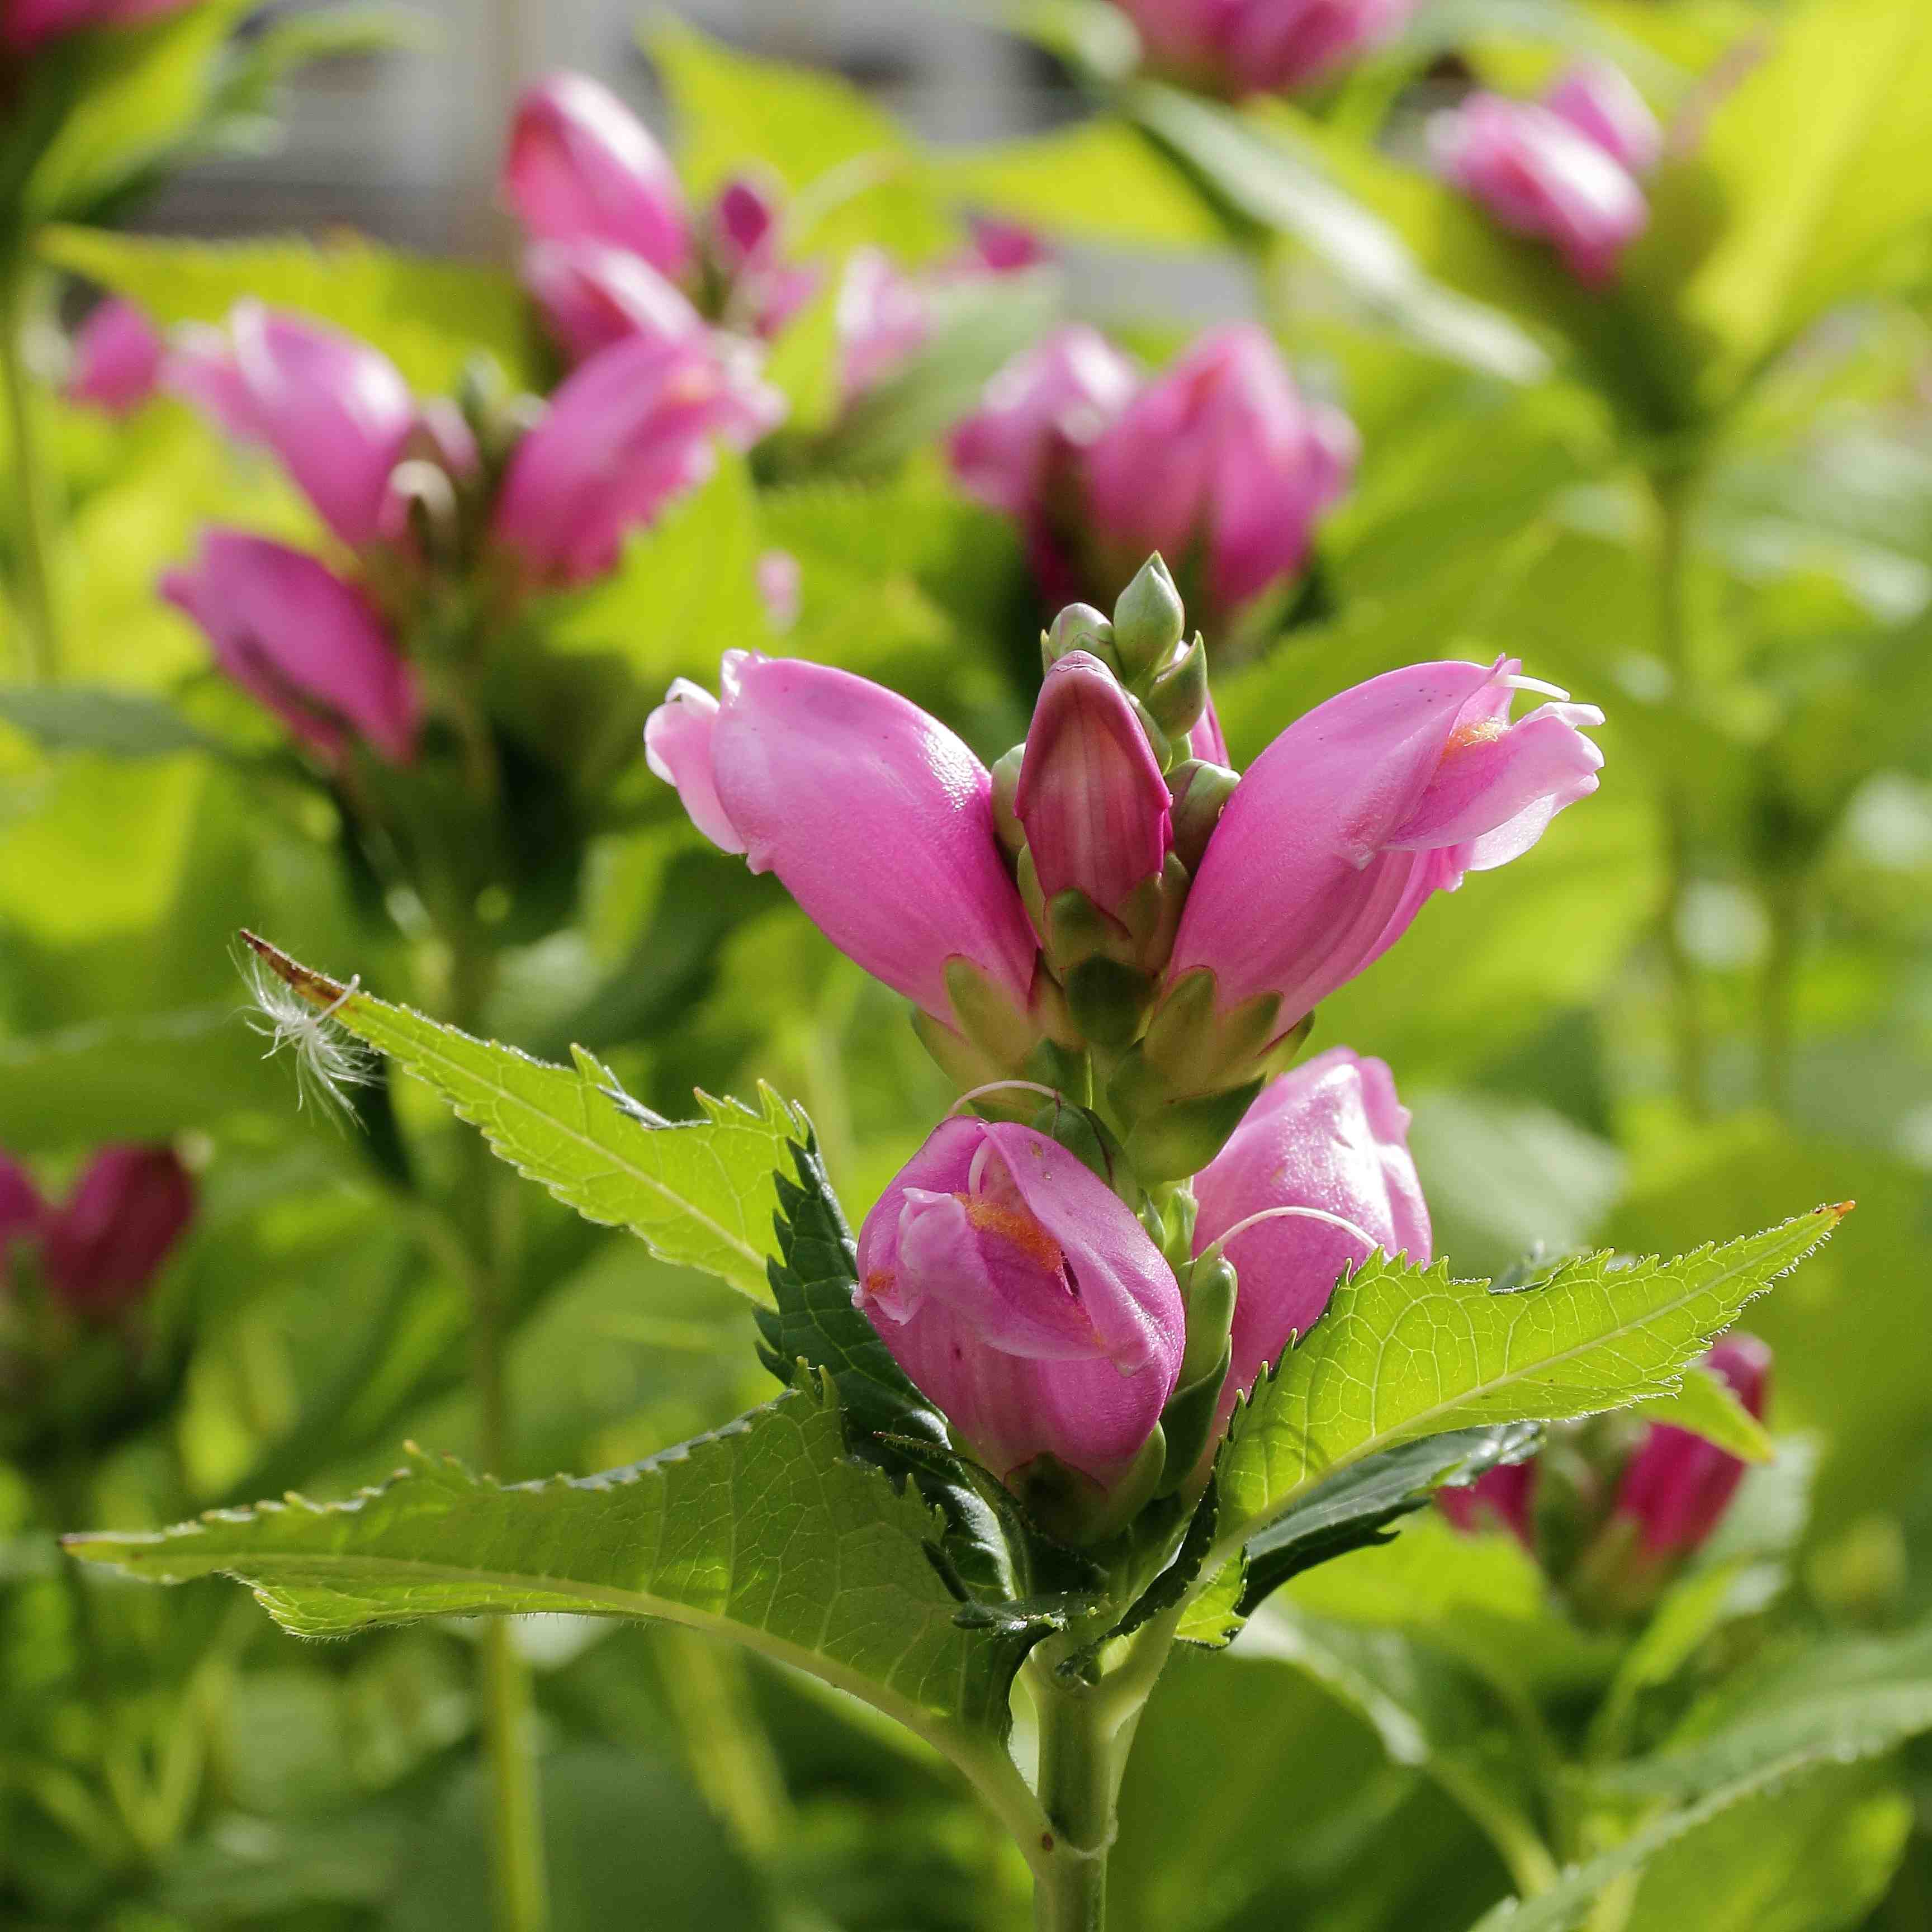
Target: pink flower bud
1598 100
336 413
780 582
25 24
103 1247
1023 1296
1329 1135
762 291
1677 1487
593 295
294 635
1505 1496
1047 403
1341 830
117 358
1221 456
1091 797
883 320
1004 247
875 818
623 435
1237 47
582 167
1538 176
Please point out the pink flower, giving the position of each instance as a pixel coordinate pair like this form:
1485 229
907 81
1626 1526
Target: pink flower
1598 100
1330 1135
1025 1298
1237 47
878 820
1505 1496
780 581
1221 463
1004 247
582 167
883 319
117 358
1091 797
295 636
26 23
1021 451
335 411
593 295
1540 176
626 432
1341 830
103 1247
759 289
1677 1487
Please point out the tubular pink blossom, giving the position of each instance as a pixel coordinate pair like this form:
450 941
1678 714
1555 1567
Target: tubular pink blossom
1677 1487
25 24
592 295
582 167
1331 1135
1050 402
1598 99
626 432
1025 1298
1239 47
883 319
1221 457
875 818
335 411
103 1245
117 358
1505 1496
1091 797
1341 830
1539 176
294 635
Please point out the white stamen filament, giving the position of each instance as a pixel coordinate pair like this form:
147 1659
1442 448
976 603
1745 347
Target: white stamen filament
1518 683
1348 1227
997 1086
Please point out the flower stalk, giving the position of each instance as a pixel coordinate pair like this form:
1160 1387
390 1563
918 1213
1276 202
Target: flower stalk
32 486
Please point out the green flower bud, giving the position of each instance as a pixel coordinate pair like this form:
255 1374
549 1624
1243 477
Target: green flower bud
1079 627
1148 620
1179 695
1200 792
1006 827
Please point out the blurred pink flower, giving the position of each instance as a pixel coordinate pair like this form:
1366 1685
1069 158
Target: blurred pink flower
1239 47
117 358
103 1246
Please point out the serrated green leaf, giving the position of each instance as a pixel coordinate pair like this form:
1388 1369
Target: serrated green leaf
699 1193
765 1532
137 91
1098 181
1837 1701
1405 1352
1819 155
1707 1406
428 317
853 174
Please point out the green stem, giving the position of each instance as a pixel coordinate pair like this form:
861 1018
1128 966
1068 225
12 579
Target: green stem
521 1902
1777 989
34 535
1077 1787
1672 491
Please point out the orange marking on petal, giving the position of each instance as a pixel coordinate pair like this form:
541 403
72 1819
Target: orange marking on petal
1012 1224
1478 731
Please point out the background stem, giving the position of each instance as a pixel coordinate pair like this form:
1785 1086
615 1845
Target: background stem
34 522
1672 491
1776 990
521 1900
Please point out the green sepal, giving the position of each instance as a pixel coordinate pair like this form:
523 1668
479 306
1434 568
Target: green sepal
1091 1141
994 1037
1148 621
1007 825
1179 695
1200 792
1193 1045
1108 1000
1073 1509
1188 1420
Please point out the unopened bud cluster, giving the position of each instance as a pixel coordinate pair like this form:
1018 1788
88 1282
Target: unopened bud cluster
1114 946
